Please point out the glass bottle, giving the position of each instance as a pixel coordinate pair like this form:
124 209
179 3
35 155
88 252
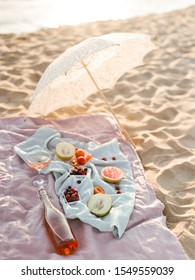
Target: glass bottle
58 228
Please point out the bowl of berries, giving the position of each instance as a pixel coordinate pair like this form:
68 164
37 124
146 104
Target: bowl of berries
79 171
71 195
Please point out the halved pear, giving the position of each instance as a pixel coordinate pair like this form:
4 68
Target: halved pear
100 204
64 150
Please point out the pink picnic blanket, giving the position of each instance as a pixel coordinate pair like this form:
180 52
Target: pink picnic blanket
22 231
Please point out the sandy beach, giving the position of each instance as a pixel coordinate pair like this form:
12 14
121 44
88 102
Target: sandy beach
155 102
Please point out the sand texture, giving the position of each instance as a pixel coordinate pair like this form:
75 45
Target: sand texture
155 102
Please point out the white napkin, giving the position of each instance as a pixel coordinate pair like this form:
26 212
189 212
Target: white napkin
122 204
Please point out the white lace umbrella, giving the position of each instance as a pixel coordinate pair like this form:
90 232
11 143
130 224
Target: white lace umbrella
88 67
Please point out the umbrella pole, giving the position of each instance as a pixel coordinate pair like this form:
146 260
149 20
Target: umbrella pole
124 132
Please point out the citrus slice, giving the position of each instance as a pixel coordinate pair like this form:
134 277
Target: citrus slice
100 204
112 174
64 150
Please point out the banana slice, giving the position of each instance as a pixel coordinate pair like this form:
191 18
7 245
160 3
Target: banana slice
100 204
64 150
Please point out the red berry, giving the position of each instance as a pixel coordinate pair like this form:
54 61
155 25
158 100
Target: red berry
68 198
104 158
113 158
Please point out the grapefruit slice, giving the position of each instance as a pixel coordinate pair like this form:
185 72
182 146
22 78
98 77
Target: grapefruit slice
112 174
100 204
64 150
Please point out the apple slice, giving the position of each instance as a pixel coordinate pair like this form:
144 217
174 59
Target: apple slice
64 150
100 204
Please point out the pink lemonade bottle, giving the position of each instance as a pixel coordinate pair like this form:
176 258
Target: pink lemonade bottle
58 228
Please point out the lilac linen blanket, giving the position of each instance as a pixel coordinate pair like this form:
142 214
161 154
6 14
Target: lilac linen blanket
23 234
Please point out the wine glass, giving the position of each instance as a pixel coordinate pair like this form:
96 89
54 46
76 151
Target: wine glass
38 159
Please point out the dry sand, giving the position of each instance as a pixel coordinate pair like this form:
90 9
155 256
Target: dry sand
155 102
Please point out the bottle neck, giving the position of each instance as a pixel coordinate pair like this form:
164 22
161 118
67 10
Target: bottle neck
44 197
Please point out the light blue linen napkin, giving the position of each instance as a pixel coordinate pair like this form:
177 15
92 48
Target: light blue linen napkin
122 204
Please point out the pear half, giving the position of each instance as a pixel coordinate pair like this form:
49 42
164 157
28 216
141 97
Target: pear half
100 204
64 150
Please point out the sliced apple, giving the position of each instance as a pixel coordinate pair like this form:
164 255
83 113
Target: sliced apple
100 204
64 150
